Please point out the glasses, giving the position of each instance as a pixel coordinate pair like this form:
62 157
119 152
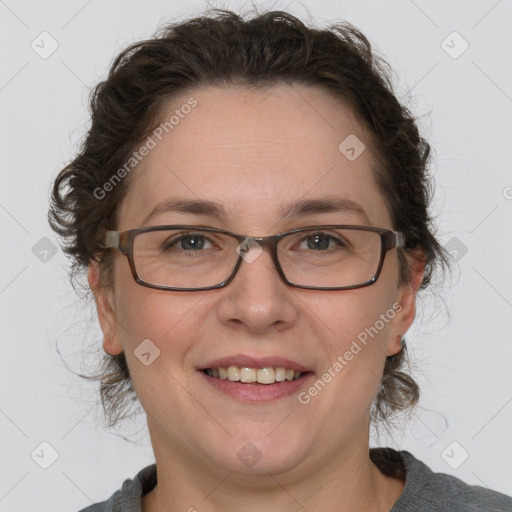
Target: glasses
193 258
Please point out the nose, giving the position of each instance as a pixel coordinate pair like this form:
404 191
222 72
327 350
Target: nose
257 297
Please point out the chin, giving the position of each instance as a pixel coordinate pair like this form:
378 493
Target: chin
260 454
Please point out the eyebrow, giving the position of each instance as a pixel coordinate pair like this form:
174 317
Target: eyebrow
294 210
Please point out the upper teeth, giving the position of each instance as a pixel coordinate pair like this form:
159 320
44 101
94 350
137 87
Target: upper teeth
267 375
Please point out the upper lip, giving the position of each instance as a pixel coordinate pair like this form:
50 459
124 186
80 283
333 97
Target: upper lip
244 361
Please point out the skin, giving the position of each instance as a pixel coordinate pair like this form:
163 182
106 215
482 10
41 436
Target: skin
253 152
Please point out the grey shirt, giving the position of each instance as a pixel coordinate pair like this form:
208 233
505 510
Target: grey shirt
425 491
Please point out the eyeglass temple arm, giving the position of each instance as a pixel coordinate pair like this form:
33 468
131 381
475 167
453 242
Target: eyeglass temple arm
399 239
112 240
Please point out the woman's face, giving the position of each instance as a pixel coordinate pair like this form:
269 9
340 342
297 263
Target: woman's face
256 153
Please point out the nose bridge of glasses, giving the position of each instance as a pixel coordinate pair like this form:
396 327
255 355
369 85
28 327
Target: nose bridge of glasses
265 242
251 248
257 244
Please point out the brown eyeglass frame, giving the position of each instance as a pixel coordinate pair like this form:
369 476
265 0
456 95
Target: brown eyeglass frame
123 242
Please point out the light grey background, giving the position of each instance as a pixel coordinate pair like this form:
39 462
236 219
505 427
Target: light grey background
462 360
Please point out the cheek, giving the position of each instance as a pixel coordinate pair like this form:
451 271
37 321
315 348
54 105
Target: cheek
355 316
353 338
355 327
157 315
148 314
158 330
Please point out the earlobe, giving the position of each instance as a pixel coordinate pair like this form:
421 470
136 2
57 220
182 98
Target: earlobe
105 311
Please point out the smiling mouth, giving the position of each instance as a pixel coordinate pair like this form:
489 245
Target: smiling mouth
245 375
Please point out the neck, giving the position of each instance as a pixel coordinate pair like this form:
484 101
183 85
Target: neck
350 483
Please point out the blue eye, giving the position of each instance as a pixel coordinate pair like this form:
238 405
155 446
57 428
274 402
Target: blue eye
189 242
322 241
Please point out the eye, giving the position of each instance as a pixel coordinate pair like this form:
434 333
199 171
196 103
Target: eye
321 241
188 242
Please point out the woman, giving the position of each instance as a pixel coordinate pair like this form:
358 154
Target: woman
251 202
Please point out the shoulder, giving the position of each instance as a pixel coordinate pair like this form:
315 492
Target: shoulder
129 497
426 491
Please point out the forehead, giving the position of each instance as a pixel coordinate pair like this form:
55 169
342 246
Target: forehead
255 152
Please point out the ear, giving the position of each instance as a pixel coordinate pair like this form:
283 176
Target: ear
106 311
406 297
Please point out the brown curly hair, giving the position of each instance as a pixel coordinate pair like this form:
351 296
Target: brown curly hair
221 49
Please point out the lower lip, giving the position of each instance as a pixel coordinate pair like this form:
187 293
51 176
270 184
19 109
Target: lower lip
254 392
